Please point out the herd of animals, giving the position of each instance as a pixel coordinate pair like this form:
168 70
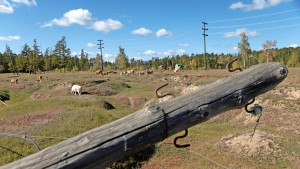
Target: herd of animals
77 89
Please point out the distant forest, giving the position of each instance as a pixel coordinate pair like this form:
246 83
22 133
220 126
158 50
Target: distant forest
32 60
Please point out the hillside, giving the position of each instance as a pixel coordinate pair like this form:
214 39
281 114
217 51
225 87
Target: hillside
48 113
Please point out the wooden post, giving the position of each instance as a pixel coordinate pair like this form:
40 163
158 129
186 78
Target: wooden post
101 146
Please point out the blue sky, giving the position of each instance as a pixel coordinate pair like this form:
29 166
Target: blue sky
147 29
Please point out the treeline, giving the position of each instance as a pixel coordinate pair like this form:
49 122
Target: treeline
32 60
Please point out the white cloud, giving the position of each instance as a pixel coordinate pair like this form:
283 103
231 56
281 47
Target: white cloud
9 38
239 31
257 4
107 25
109 57
234 49
78 16
6 7
26 2
168 53
163 32
84 18
150 53
181 51
294 45
74 53
90 45
183 45
142 32
165 53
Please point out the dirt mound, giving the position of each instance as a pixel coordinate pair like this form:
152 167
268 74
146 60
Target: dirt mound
101 90
291 93
21 124
107 88
63 86
260 145
127 101
189 89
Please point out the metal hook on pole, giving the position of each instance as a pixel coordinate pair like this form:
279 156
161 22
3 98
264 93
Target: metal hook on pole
161 96
255 110
183 136
229 65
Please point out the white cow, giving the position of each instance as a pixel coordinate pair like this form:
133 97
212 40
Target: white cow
76 89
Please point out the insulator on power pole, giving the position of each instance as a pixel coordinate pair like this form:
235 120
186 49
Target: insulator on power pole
204 35
101 47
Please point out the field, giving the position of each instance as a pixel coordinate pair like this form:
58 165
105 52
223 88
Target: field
48 113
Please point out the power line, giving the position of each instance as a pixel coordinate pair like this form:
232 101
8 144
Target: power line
263 29
253 17
252 24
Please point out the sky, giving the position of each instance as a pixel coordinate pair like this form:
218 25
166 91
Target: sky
147 29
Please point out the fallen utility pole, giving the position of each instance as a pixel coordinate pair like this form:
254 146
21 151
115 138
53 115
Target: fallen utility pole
101 146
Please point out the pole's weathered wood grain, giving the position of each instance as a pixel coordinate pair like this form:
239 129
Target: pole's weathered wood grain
108 143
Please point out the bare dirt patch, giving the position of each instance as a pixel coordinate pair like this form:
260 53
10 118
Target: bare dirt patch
290 93
22 124
101 90
129 101
260 145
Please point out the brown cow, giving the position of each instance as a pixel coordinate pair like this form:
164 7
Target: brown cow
39 78
148 72
97 72
14 81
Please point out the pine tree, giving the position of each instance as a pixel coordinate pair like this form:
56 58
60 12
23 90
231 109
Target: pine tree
244 47
121 60
62 52
97 62
294 59
47 60
269 53
84 61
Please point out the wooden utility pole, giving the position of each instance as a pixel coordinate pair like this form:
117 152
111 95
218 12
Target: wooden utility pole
111 142
101 57
204 35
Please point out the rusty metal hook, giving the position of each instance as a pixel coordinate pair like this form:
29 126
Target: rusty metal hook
161 96
255 110
246 106
229 64
176 138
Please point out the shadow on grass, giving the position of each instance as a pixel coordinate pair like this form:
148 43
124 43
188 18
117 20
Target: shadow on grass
134 161
85 93
95 82
12 151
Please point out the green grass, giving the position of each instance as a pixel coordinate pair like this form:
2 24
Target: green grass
72 115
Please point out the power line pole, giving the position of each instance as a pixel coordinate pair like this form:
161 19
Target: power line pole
101 47
204 35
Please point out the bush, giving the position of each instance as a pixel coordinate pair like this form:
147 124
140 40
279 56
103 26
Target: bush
4 95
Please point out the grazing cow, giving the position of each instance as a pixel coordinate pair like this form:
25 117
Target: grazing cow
104 73
141 73
148 72
161 67
14 81
76 89
97 72
128 72
39 78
